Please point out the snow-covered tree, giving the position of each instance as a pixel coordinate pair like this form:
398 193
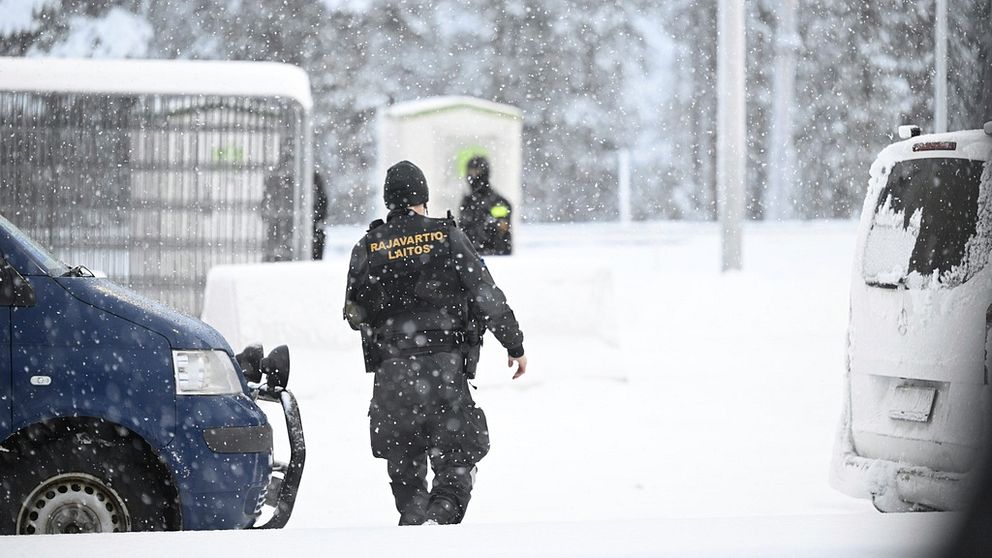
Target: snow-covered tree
82 29
591 77
970 64
865 69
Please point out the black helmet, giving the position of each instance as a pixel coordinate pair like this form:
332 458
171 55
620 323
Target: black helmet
405 186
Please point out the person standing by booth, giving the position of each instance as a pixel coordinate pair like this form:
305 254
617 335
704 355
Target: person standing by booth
484 215
319 216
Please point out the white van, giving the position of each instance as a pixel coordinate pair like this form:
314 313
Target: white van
919 336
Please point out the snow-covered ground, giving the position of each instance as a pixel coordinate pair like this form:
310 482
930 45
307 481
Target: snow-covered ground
837 536
658 387
668 408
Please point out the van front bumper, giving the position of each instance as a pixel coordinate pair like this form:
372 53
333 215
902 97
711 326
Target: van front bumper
218 489
894 486
223 465
239 439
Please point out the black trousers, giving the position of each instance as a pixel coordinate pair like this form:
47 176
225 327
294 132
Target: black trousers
319 238
422 412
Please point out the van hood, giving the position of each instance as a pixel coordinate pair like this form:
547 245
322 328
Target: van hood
182 331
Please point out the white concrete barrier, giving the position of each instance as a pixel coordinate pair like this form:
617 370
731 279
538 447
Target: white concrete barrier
299 303
295 303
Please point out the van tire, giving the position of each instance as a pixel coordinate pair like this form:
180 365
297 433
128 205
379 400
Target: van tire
112 472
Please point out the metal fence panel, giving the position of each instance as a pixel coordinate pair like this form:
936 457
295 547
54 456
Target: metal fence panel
154 190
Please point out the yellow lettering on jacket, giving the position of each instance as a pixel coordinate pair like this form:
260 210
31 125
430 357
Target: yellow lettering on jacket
408 245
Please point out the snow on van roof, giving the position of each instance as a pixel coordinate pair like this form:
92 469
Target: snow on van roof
969 144
170 77
432 105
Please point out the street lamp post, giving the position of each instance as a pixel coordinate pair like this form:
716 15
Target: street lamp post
731 129
781 153
940 79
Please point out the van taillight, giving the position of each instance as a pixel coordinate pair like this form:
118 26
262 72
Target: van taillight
936 146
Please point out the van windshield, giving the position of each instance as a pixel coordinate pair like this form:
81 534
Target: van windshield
924 228
48 263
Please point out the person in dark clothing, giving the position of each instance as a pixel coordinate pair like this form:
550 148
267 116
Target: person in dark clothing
484 215
319 215
277 215
422 298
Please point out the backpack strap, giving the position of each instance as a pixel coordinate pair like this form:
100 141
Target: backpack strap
376 224
449 220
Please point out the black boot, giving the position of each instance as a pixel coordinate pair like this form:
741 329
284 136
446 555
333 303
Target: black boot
451 492
443 511
411 502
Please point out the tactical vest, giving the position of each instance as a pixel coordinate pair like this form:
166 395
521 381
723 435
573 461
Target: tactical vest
411 269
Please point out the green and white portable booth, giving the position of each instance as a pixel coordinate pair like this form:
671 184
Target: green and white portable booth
440 135
154 171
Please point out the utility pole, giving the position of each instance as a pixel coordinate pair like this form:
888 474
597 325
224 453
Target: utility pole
623 192
940 79
731 129
781 156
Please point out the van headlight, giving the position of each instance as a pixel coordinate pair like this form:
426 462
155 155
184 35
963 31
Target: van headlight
205 373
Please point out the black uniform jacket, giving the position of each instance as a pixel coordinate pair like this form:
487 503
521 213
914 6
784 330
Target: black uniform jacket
484 215
417 274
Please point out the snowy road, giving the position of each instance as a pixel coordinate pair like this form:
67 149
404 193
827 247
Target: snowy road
658 387
862 535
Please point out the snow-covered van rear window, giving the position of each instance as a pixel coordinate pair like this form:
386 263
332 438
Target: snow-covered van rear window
925 231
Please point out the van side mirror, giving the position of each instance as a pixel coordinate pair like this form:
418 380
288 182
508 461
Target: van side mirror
276 367
15 290
250 360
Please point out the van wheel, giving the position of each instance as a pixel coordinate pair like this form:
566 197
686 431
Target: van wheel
83 484
73 503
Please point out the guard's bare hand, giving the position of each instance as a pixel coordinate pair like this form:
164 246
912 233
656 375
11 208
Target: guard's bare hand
521 365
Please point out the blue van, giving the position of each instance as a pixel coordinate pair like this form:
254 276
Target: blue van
118 413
